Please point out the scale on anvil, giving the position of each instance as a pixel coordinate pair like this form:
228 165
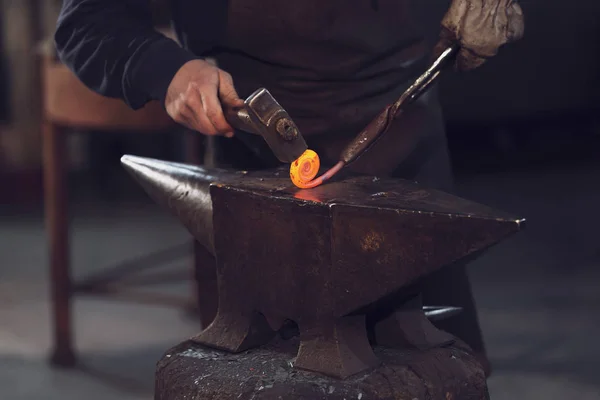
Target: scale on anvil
263 115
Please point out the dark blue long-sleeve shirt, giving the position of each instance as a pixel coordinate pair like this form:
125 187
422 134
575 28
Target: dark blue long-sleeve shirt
112 46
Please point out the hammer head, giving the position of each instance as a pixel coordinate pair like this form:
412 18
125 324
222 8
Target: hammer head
263 115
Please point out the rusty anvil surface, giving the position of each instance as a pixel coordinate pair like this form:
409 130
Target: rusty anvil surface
328 258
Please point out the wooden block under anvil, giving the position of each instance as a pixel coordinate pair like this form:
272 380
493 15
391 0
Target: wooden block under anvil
328 258
195 372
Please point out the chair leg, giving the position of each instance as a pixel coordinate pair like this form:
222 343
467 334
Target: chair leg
55 201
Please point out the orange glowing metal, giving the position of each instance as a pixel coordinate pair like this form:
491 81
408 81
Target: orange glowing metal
306 167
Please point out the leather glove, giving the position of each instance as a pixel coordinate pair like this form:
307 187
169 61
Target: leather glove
480 28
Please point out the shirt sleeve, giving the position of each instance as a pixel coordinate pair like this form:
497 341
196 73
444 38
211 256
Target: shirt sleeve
113 48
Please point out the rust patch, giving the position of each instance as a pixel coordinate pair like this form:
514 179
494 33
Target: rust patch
372 242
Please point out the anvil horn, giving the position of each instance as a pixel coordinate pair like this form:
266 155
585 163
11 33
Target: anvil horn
182 189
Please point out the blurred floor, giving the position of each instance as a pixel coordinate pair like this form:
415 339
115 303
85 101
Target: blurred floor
537 293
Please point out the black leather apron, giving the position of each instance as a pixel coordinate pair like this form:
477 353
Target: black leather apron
334 65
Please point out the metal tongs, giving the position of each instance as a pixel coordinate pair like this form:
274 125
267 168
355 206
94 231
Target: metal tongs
369 136
375 130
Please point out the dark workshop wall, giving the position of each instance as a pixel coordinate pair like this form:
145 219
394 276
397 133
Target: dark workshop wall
554 70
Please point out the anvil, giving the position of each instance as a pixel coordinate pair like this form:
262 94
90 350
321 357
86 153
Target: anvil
337 259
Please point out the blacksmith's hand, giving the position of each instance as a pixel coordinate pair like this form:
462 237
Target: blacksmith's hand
480 28
196 96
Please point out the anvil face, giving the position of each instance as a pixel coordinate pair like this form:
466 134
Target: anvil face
330 251
319 256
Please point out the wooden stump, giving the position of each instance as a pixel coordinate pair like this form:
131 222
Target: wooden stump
191 371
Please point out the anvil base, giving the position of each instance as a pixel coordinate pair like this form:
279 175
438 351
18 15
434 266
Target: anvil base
191 371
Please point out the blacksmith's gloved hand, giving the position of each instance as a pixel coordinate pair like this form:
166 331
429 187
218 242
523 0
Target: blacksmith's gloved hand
480 27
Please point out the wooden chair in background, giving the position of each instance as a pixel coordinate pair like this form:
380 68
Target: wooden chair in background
68 105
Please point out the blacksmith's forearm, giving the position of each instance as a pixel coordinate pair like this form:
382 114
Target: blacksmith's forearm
112 46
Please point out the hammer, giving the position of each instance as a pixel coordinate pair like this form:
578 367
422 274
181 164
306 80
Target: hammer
262 115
